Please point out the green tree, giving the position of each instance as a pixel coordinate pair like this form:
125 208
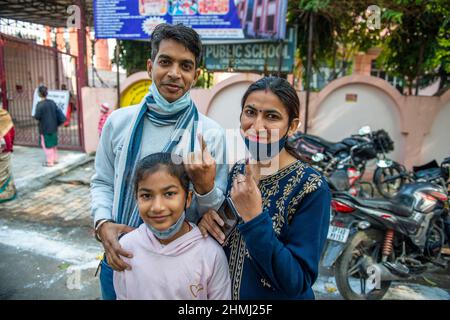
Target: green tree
339 32
418 42
133 55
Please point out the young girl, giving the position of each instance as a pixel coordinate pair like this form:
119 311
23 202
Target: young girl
171 259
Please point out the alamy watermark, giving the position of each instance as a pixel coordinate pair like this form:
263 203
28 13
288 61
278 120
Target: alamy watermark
373 15
374 279
74 18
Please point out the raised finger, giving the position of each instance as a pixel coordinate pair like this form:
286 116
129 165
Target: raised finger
189 159
201 141
249 174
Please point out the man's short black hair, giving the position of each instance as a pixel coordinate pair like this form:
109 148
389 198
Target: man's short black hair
188 37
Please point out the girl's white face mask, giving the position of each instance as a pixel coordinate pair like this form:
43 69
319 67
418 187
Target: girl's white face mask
169 232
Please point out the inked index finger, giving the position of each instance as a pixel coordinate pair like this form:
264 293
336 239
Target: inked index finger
201 141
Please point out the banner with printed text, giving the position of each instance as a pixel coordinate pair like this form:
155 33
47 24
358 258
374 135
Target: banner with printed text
212 19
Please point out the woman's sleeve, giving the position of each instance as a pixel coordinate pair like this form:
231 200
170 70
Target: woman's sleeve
292 265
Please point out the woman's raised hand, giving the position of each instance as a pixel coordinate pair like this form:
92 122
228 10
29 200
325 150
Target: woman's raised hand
246 195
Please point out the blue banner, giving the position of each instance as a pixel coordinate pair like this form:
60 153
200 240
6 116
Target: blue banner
212 19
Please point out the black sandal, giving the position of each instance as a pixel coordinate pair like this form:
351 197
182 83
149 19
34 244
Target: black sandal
46 164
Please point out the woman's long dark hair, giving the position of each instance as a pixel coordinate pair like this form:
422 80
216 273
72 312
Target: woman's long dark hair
288 97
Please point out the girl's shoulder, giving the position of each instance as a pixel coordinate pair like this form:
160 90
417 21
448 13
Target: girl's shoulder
130 239
208 246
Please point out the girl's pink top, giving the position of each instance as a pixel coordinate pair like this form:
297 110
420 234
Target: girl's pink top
189 268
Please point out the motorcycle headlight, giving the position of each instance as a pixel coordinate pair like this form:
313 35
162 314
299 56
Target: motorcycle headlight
318 157
384 163
363 225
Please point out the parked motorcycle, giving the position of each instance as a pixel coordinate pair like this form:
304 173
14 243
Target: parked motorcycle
388 180
372 242
343 163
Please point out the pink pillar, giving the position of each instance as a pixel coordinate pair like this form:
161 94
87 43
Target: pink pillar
48 37
60 41
102 61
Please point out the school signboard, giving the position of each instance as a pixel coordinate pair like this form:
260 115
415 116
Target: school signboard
212 19
251 56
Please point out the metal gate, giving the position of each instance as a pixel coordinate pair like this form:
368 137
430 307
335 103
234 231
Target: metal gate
27 65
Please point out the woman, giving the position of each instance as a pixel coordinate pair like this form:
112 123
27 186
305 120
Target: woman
50 117
7 188
283 203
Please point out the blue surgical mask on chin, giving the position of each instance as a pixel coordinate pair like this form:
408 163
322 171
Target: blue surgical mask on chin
171 231
264 151
170 107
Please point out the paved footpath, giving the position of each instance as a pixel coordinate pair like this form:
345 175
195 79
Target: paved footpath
28 172
46 242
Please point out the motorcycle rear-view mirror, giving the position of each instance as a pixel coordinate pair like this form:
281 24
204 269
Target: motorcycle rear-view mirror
318 157
384 163
364 130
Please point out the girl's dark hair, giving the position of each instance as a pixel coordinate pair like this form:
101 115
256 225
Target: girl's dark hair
42 91
180 33
171 162
288 97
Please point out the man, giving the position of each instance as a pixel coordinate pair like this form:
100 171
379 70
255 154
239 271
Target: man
168 121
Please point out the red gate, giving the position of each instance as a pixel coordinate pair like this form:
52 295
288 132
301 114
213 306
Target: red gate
23 67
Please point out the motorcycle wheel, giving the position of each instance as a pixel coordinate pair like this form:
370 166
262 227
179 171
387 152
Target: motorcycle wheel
349 272
388 189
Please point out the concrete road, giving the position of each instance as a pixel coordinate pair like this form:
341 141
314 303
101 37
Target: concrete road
47 262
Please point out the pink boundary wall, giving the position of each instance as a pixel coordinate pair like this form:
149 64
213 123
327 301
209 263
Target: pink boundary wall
417 113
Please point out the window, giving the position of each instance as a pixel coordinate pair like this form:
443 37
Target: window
249 11
270 23
257 24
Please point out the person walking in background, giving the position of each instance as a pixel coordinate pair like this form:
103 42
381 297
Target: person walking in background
50 117
105 111
7 187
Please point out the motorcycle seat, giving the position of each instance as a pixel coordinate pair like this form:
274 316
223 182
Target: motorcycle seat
428 174
338 147
333 147
399 209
